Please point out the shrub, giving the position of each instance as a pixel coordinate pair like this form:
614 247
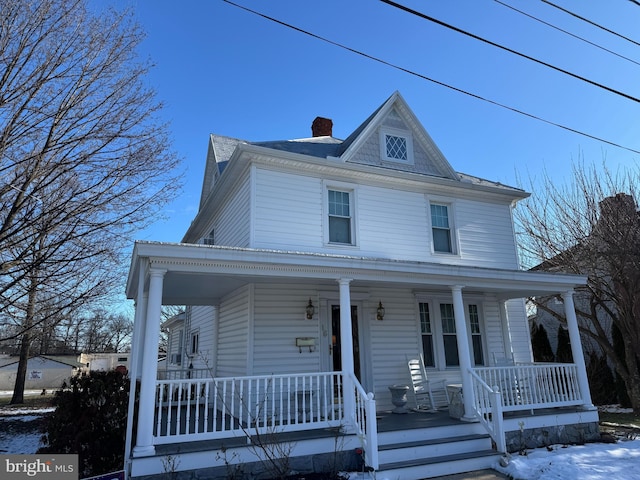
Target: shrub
90 420
601 380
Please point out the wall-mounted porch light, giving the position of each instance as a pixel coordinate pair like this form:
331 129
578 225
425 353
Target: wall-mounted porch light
380 311
311 310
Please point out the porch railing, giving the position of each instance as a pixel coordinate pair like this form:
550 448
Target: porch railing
211 408
529 386
488 409
366 425
185 373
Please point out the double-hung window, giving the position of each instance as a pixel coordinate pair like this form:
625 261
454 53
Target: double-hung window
195 343
340 217
441 228
449 338
476 335
426 329
439 335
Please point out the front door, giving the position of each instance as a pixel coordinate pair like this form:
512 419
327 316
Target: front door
336 343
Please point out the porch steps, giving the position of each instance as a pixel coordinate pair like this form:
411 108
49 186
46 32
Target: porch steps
428 453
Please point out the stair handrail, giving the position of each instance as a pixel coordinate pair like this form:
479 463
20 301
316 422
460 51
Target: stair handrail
366 424
488 409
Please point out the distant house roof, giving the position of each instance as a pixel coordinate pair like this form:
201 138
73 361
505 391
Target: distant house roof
65 360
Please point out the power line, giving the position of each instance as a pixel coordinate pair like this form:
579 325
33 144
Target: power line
591 22
567 32
510 50
424 77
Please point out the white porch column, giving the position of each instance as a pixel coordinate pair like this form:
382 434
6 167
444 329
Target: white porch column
346 344
576 348
463 352
146 407
506 330
135 361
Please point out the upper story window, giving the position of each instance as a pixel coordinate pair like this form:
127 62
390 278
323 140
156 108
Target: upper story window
209 239
441 228
340 213
396 145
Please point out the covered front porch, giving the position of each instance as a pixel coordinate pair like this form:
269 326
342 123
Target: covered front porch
192 406
306 415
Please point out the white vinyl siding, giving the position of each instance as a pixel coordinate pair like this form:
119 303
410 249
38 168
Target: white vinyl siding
232 221
391 340
390 223
233 334
277 313
288 211
485 234
202 322
279 317
495 331
519 328
175 347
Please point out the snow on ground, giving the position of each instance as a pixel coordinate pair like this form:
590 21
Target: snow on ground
18 430
594 461
19 427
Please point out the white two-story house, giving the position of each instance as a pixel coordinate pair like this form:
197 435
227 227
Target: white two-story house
315 269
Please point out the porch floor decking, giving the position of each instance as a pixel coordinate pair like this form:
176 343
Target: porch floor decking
386 422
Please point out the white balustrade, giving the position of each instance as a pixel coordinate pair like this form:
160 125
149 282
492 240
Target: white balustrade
208 408
529 386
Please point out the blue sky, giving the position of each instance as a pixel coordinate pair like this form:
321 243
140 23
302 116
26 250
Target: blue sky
220 69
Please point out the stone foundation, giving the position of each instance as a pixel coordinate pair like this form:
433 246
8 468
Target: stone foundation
579 433
333 462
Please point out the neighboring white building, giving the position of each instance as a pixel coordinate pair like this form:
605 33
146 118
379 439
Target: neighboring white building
43 371
105 361
314 268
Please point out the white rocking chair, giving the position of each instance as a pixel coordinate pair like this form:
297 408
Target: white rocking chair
423 388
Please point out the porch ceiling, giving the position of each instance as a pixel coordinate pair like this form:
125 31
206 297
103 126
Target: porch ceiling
202 274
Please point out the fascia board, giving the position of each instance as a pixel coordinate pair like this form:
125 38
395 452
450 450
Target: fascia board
416 125
299 163
132 277
245 154
259 262
426 139
370 128
238 162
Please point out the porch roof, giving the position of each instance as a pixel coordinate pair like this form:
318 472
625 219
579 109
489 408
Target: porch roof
202 274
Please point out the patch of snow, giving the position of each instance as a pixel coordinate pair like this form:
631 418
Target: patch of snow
594 461
614 409
12 442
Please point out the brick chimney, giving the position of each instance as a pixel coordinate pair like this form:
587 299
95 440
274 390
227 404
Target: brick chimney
322 127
